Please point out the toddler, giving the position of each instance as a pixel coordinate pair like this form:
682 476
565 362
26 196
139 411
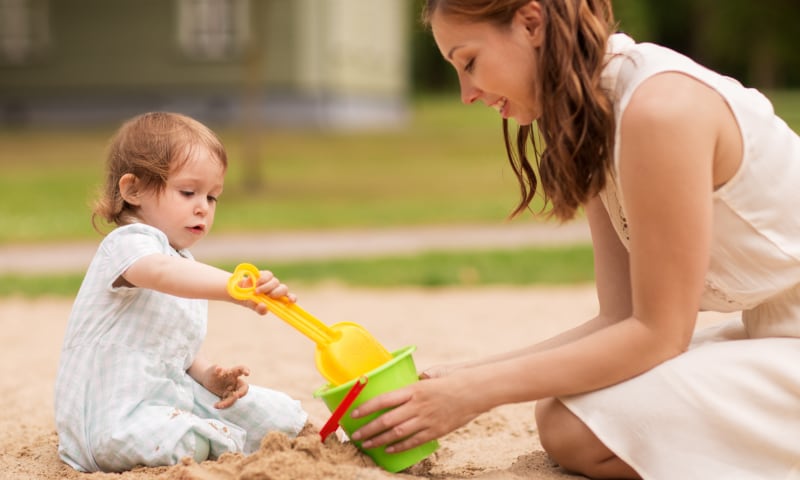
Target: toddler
131 388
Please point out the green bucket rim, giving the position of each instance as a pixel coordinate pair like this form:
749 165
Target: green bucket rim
397 356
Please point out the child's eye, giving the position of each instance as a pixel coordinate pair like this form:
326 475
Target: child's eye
187 193
211 199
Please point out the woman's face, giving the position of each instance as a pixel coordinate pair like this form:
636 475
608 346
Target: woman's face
495 64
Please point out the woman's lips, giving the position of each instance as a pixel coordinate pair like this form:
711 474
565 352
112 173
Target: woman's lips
501 105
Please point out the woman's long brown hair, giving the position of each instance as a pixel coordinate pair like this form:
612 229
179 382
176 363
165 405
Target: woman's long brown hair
576 129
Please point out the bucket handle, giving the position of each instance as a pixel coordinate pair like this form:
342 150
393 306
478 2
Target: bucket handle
333 423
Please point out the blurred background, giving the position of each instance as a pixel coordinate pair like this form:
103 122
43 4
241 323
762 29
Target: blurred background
336 113
308 63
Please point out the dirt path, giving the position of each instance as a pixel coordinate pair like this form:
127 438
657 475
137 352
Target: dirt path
286 246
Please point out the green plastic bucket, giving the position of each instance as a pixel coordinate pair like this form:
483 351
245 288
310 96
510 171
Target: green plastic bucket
396 373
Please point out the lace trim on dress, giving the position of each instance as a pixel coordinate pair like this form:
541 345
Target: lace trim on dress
713 290
614 208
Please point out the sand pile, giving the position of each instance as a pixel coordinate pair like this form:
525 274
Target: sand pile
284 458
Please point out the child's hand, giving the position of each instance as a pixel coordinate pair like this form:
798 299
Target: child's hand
226 383
268 284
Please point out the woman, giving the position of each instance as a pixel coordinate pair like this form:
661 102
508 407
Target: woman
689 183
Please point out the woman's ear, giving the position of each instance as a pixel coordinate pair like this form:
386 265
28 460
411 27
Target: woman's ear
531 17
128 190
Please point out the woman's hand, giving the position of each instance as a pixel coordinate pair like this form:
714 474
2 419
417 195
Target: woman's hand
226 383
421 412
438 371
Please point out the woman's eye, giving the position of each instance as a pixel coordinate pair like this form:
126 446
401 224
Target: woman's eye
470 66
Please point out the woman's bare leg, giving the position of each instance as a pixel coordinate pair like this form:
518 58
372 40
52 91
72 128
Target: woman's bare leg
571 444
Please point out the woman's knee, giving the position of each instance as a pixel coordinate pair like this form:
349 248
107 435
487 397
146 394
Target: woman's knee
555 425
571 444
565 438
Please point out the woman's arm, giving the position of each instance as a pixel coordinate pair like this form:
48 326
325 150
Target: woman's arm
669 137
669 141
613 291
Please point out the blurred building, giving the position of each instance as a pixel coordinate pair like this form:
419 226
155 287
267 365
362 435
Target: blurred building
325 63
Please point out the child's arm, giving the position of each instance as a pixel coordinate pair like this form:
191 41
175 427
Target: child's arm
190 279
226 383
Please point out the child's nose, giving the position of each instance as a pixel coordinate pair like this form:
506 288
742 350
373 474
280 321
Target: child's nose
201 207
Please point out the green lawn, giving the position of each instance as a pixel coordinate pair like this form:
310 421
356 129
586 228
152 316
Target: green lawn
787 106
447 166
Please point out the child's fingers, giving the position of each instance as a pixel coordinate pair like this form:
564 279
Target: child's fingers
266 285
261 309
242 390
271 285
225 402
230 396
257 307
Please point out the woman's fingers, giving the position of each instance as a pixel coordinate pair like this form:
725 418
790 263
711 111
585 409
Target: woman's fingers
415 414
381 402
422 436
403 436
387 427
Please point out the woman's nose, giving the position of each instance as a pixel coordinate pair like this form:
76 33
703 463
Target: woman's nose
469 93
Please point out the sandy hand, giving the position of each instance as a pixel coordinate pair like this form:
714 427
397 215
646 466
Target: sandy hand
227 384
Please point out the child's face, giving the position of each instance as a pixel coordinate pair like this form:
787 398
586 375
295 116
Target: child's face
184 211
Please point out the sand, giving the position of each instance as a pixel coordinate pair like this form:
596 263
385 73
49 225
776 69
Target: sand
445 324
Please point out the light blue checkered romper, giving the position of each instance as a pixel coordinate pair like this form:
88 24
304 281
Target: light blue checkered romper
123 397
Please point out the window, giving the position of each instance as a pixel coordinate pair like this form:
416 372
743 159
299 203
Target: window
213 29
24 30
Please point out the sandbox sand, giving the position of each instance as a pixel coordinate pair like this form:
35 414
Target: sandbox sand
445 324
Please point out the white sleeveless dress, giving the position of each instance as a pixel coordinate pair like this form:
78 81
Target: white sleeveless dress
729 408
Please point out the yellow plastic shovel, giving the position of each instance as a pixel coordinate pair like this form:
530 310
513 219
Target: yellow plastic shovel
345 350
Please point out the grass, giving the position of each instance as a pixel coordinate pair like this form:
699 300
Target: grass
446 166
529 266
787 106
449 156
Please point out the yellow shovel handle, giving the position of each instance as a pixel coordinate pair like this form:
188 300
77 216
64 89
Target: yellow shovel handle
283 308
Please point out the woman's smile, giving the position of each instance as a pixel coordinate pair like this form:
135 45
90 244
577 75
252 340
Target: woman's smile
500 105
495 65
